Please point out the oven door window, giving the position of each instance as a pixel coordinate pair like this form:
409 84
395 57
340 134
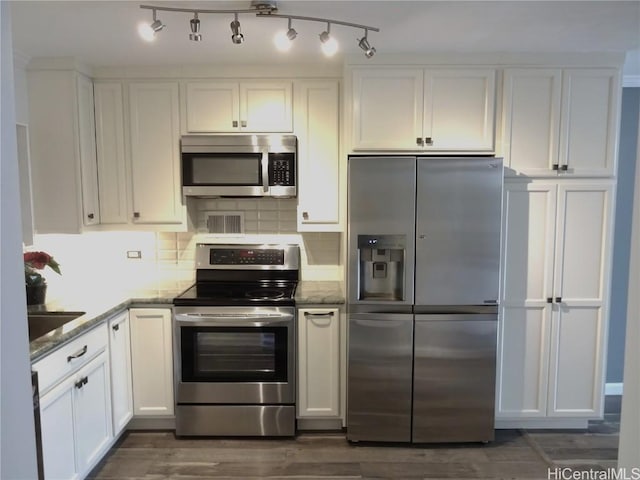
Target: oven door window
234 354
222 169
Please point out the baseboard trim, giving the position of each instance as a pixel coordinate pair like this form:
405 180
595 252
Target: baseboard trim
613 389
152 423
328 424
543 423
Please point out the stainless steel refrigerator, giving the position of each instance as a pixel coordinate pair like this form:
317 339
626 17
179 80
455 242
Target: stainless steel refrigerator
423 275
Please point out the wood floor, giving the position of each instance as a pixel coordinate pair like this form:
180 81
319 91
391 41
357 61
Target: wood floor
515 454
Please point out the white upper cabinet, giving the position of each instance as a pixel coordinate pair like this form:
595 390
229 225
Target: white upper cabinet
590 100
423 109
110 146
560 122
62 148
227 106
317 126
155 153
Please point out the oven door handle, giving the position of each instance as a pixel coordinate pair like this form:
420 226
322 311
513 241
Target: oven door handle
233 320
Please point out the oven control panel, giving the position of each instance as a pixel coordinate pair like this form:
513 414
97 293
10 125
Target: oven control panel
246 256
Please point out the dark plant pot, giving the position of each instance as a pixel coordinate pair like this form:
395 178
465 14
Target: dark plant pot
36 294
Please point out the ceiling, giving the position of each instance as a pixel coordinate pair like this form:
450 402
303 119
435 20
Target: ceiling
103 33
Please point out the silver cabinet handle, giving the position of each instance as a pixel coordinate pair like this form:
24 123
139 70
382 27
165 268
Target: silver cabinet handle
311 314
78 354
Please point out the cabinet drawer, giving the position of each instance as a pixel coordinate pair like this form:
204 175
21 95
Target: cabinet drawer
68 358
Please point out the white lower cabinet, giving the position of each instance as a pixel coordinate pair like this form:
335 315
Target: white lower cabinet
152 361
555 275
319 363
76 421
121 386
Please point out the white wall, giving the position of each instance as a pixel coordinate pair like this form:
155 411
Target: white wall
17 433
629 450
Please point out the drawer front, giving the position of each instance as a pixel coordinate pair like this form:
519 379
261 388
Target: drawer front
68 358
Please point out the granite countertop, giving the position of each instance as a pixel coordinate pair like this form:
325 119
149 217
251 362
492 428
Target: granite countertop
99 306
317 292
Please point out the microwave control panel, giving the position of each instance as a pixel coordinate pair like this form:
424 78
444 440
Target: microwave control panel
282 169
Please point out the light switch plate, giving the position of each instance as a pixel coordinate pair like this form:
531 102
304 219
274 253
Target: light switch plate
134 254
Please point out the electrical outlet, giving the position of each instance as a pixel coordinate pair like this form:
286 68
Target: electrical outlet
137 254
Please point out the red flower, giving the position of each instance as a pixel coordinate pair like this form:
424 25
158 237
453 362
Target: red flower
37 260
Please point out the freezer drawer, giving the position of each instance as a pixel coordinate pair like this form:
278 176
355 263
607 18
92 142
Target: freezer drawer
379 377
454 378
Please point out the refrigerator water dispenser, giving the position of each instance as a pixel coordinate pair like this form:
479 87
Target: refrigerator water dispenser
381 267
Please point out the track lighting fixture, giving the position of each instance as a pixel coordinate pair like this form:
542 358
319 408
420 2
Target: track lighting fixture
363 43
148 31
284 40
329 44
195 35
236 36
261 9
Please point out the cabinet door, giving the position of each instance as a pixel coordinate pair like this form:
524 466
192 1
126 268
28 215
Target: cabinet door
266 107
459 109
57 428
527 280
92 415
87 148
151 361
317 127
589 118
121 387
531 121
319 362
582 276
155 153
212 107
111 152
387 109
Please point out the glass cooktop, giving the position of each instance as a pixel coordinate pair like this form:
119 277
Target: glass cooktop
238 293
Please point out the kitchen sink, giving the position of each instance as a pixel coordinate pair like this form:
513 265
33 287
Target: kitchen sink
41 323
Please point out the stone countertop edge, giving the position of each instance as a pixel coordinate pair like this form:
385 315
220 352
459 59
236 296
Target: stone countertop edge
311 292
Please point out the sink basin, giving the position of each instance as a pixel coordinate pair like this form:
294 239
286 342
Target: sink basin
41 323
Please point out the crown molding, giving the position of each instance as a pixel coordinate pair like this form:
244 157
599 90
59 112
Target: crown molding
631 81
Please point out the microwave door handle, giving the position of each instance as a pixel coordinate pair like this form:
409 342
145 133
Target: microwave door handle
265 171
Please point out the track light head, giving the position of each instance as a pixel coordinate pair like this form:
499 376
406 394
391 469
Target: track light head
195 35
363 43
329 44
284 40
148 31
236 36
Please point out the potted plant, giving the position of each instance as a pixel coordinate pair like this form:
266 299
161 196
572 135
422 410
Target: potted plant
35 283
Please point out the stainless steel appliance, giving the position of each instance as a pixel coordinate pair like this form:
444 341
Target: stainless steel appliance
239 165
424 245
234 342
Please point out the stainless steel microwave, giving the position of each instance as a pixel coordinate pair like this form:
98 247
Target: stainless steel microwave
239 165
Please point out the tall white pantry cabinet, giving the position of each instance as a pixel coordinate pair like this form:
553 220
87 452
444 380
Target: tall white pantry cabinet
558 140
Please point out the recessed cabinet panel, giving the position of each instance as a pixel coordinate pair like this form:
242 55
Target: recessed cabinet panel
112 179
531 120
459 109
387 109
523 362
87 146
155 153
528 245
56 425
317 128
212 106
266 107
576 386
589 118
121 385
582 241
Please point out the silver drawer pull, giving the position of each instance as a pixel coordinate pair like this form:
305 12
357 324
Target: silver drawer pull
78 354
310 314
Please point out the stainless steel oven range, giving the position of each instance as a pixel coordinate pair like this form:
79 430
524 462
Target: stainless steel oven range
234 342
